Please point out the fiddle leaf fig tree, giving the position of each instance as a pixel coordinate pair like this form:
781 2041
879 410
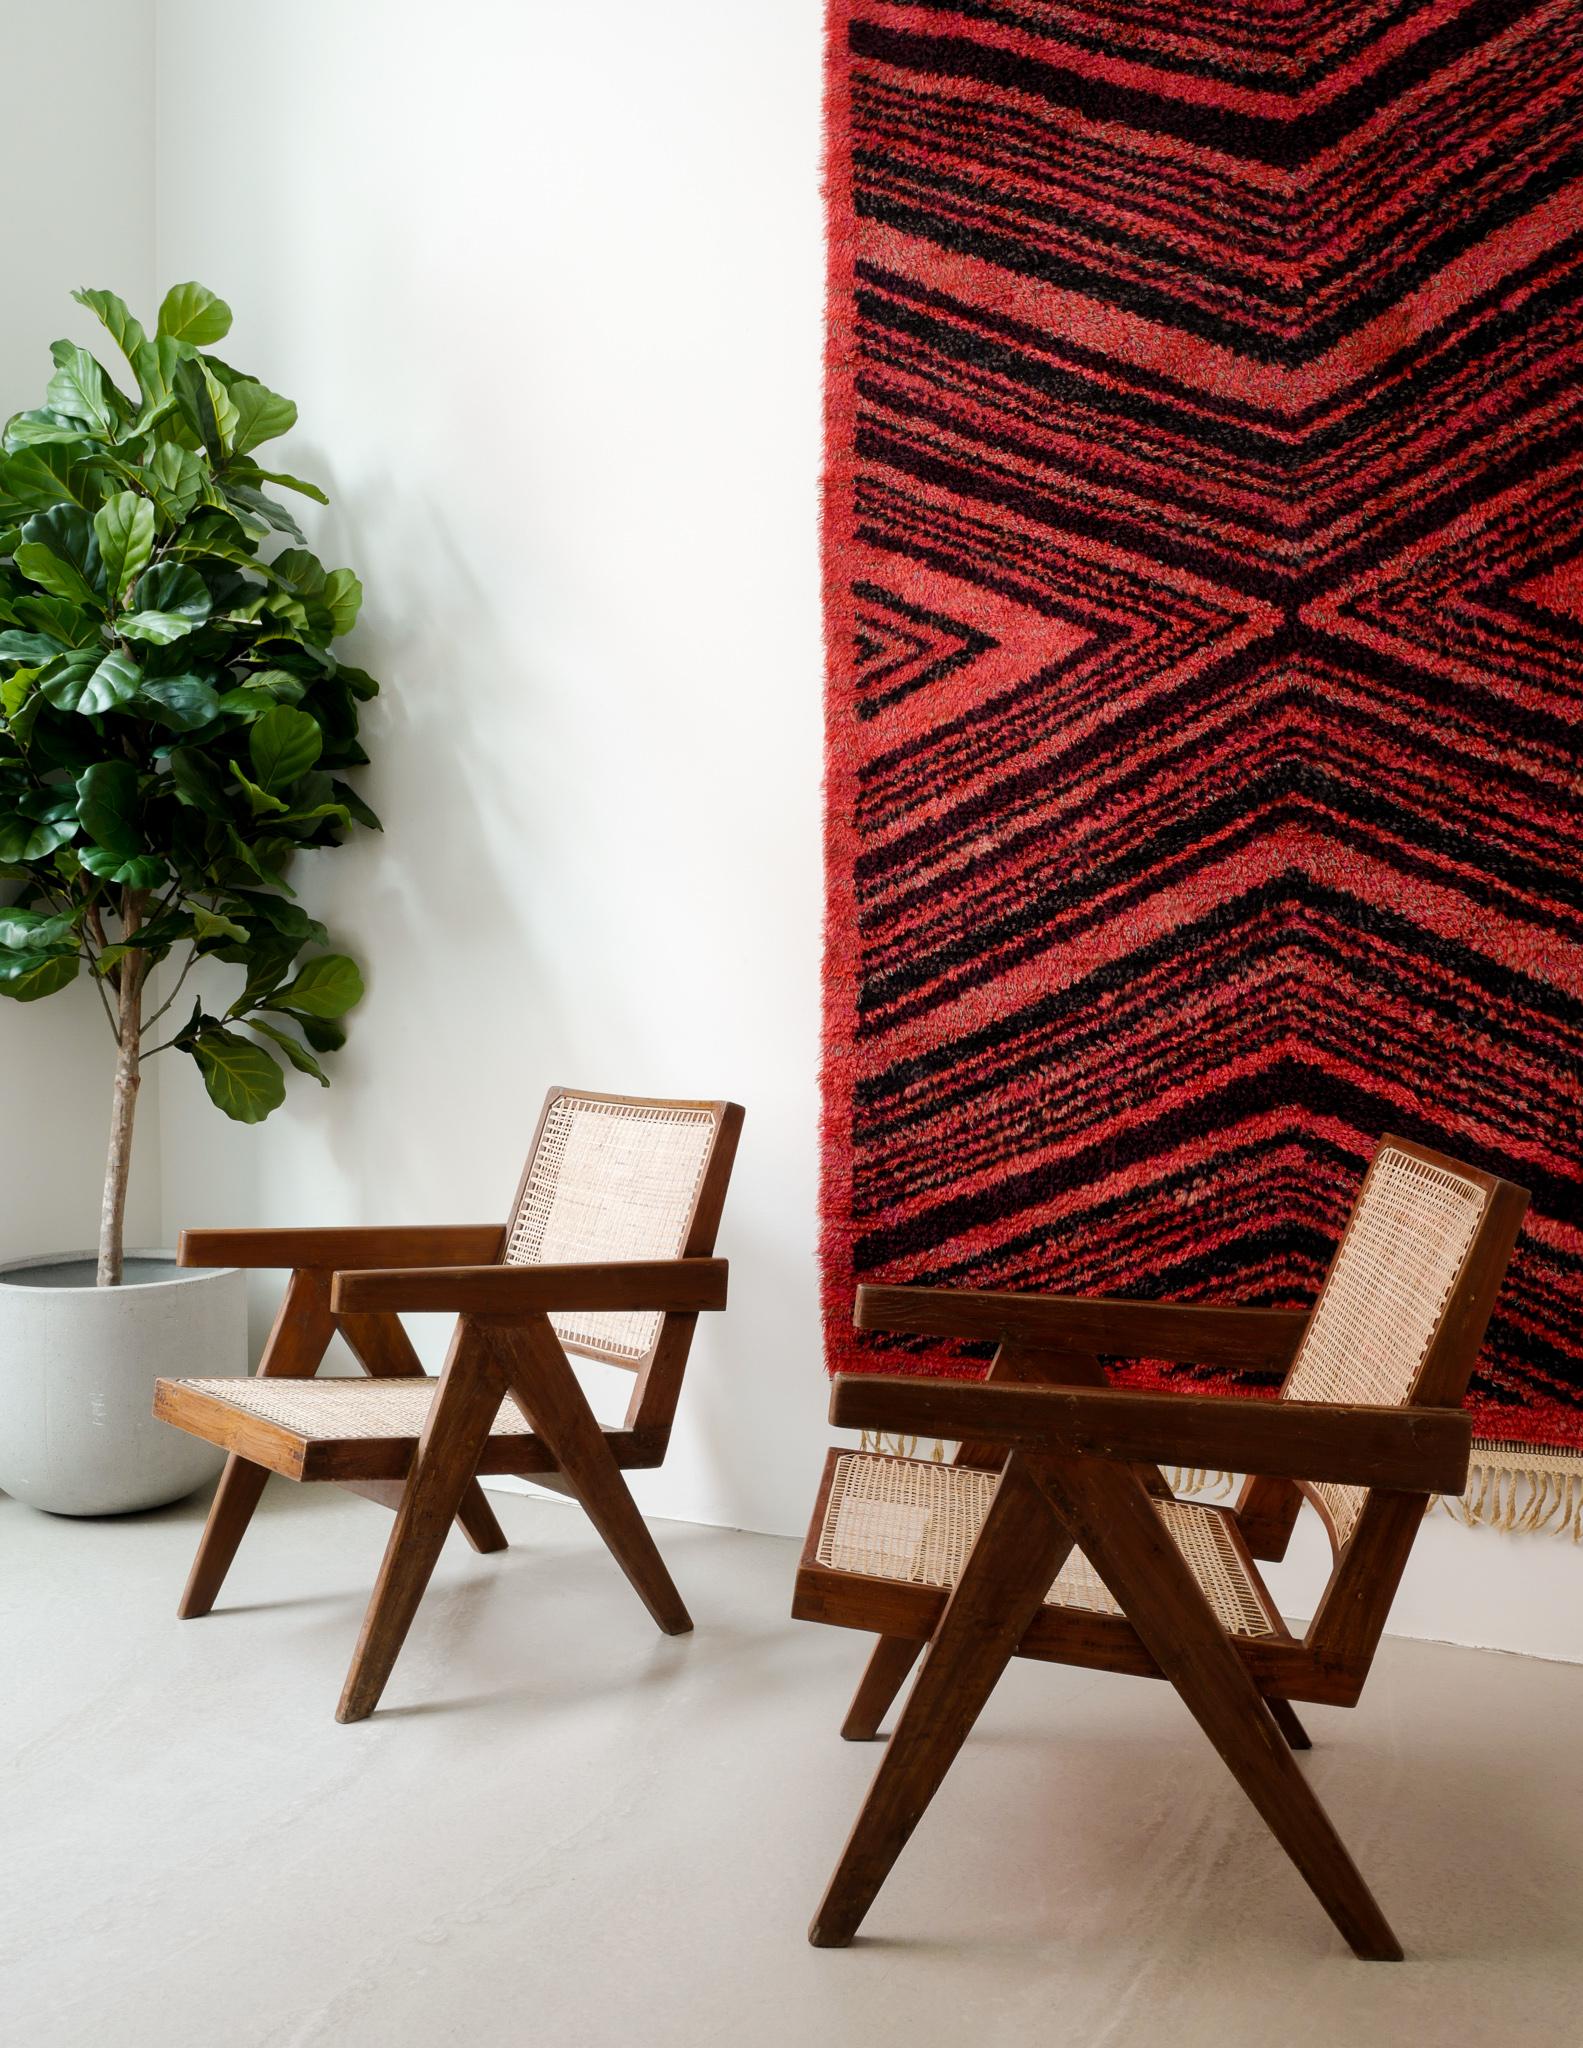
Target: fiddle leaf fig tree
174 726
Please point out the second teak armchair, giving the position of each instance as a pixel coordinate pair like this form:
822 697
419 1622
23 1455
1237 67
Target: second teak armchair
607 1253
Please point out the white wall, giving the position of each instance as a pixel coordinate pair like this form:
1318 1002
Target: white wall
546 284
79 131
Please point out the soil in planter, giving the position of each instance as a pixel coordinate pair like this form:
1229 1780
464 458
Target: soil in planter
82 1273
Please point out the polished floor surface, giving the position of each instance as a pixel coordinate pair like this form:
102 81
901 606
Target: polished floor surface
564 1829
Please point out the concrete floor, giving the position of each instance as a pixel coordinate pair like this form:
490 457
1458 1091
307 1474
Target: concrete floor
565 1829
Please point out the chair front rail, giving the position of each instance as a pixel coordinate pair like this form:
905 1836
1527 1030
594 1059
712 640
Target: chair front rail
1193 1333
682 1286
381 1245
1418 1450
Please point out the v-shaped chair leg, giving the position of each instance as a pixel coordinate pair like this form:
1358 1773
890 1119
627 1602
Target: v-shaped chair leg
883 1677
297 1343
540 1376
384 1350
460 1419
1122 1536
1019 1550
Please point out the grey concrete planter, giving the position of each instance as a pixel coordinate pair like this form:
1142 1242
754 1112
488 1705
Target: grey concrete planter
77 1370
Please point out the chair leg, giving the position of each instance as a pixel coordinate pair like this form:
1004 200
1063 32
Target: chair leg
301 1334
885 1675
384 1350
540 1376
241 1485
1019 1550
460 1418
1284 1715
1123 1538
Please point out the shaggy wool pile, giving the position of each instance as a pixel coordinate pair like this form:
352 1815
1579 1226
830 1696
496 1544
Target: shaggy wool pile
1204 575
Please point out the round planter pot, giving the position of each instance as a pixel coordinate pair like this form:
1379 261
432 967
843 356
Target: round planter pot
77 1370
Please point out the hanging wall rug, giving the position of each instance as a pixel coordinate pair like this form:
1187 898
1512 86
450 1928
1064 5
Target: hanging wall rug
1204 574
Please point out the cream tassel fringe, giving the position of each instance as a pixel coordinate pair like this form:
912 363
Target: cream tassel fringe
1509 1487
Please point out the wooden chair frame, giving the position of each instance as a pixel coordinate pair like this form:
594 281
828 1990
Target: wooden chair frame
359 1282
1078 1462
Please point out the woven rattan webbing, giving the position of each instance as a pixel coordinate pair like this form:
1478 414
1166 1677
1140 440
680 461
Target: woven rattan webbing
336 1411
904 1518
610 1180
1373 1323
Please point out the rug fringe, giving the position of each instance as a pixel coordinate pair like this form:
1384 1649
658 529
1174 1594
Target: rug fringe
1513 1487
1509 1485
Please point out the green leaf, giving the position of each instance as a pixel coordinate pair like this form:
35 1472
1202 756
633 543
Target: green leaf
210 924
154 365
283 745
198 782
37 478
67 623
323 1033
43 428
107 807
289 609
90 684
172 600
30 930
298 1054
58 552
205 405
299 570
259 801
289 919
192 313
289 483
45 568
27 976
327 986
175 479
344 596
217 537
246 702
29 647
264 508
242 1078
138 871
356 806
80 389
60 544
125 331
185 701
14 691
278 684
30 839
157 629
316 814
261 415
124 529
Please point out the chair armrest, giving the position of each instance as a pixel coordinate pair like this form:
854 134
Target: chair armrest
419 1244
674 1286
1195 1333
1412 1450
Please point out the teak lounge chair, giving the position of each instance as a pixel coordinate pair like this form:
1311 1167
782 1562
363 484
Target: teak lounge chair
606 1253
1054 1536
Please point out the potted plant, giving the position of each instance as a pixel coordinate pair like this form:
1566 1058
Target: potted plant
173 729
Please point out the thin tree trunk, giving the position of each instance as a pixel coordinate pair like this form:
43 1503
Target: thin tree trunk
128 1061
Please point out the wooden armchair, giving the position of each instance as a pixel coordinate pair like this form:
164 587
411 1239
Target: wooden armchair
606 1253
1054 1536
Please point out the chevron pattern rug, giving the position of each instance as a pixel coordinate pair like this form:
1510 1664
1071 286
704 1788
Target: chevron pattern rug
1204 575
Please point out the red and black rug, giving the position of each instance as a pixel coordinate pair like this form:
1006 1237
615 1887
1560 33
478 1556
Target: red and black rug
1204 572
